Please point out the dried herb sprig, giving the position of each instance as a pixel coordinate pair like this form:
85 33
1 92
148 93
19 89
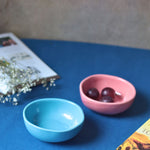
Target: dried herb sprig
16 79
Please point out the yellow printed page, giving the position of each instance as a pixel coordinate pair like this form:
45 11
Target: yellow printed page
139 140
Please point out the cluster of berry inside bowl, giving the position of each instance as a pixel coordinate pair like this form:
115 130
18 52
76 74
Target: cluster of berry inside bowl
107 94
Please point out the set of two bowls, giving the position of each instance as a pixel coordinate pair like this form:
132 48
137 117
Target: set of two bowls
58 120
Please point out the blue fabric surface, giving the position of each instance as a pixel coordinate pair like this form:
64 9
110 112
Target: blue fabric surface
74 61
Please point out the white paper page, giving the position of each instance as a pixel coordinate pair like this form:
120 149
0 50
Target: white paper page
24 57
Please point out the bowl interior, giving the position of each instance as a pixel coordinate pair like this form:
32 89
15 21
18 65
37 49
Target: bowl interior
125 88
54 114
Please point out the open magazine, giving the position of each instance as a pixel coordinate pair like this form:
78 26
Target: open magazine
12 49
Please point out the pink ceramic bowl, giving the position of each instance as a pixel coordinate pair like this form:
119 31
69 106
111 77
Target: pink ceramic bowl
100 81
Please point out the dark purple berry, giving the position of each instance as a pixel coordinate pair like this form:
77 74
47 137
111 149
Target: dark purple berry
108 92
93 93
107 99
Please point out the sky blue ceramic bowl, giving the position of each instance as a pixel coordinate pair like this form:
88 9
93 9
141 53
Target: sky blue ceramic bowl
53 119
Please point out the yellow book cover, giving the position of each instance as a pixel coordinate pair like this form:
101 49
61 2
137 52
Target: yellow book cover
139 140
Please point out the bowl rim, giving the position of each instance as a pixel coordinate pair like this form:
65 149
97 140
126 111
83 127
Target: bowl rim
53 99
108 76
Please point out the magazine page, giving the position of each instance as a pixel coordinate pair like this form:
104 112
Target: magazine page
12 49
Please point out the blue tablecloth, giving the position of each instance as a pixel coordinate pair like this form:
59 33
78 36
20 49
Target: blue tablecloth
74 61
